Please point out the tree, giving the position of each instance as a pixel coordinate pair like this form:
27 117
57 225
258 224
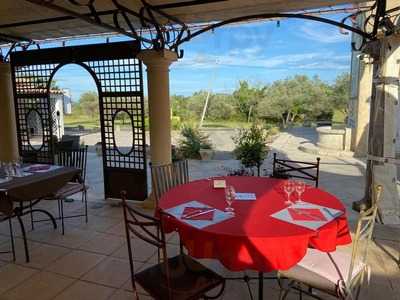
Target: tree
246 99
89 104
294 99
341 93
250 146
221 107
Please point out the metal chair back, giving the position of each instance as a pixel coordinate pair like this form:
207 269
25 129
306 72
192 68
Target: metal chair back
284 168
149 230
75 158
363 236
168 176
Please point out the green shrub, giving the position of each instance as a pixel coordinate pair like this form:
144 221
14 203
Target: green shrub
192 141
176 123
251 147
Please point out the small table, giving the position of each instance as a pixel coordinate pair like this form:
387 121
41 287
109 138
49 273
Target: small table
33 187
253 239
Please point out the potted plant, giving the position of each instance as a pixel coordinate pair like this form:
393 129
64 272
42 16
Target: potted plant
194 144
251 147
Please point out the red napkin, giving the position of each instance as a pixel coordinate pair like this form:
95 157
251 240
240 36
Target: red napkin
196 213
36 168
306 214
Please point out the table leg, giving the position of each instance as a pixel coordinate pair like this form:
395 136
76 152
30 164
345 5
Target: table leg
260 285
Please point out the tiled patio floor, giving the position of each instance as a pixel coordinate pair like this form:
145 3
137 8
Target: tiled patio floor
90 260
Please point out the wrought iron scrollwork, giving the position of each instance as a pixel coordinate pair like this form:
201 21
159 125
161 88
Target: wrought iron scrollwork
160 30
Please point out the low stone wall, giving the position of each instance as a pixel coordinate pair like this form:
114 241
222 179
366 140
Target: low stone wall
331 138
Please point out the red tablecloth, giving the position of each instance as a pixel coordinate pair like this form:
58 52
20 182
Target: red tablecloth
253 240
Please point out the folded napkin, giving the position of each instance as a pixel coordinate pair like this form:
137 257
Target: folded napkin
306 214
198 213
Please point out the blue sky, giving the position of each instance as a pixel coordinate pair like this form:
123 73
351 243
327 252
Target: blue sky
257 52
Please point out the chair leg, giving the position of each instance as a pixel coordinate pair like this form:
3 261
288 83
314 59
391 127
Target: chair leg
59 208
61 203
358 292
84 198
31 213
12 238
260 285
24 237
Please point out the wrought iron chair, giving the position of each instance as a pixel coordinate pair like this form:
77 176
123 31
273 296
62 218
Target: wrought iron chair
4 218
337 273
76 158
168 176
179 277
283 168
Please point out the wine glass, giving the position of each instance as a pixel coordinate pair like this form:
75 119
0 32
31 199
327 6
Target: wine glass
300 188
288 187
230 195
17 167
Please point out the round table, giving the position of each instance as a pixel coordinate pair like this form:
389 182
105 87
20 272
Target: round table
253 239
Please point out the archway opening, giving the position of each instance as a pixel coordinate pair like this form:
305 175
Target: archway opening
76 119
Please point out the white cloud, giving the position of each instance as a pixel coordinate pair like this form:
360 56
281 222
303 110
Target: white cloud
315 32
253 57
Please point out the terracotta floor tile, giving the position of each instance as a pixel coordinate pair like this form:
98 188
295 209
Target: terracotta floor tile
103 244
111 272
11 275
125 295
81 290
141 250
41 286
43 255
117 229
75 264
95 223
19 250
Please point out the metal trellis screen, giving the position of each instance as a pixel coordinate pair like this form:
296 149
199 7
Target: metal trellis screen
118 76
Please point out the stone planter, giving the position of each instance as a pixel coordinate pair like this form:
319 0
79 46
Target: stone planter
329 138
206 154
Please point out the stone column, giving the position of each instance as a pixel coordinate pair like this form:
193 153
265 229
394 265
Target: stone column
158 63
8 132
360 136
382 128
386 118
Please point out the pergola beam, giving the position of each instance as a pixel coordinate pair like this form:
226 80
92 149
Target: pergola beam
87 19
13 38
279 16
53 20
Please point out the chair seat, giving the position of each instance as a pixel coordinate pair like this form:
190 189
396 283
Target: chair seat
188 279
71 188
317 270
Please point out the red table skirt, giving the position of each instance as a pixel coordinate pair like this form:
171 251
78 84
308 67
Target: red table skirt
253 240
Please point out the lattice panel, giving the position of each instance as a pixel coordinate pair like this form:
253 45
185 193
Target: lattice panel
35 134
121 90
134 159
118 75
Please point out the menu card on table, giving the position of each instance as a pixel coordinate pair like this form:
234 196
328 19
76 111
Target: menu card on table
197 214
245 196
309 215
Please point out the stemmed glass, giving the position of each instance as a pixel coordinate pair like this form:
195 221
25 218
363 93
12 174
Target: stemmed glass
16 165
288 187
300 188
230 196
